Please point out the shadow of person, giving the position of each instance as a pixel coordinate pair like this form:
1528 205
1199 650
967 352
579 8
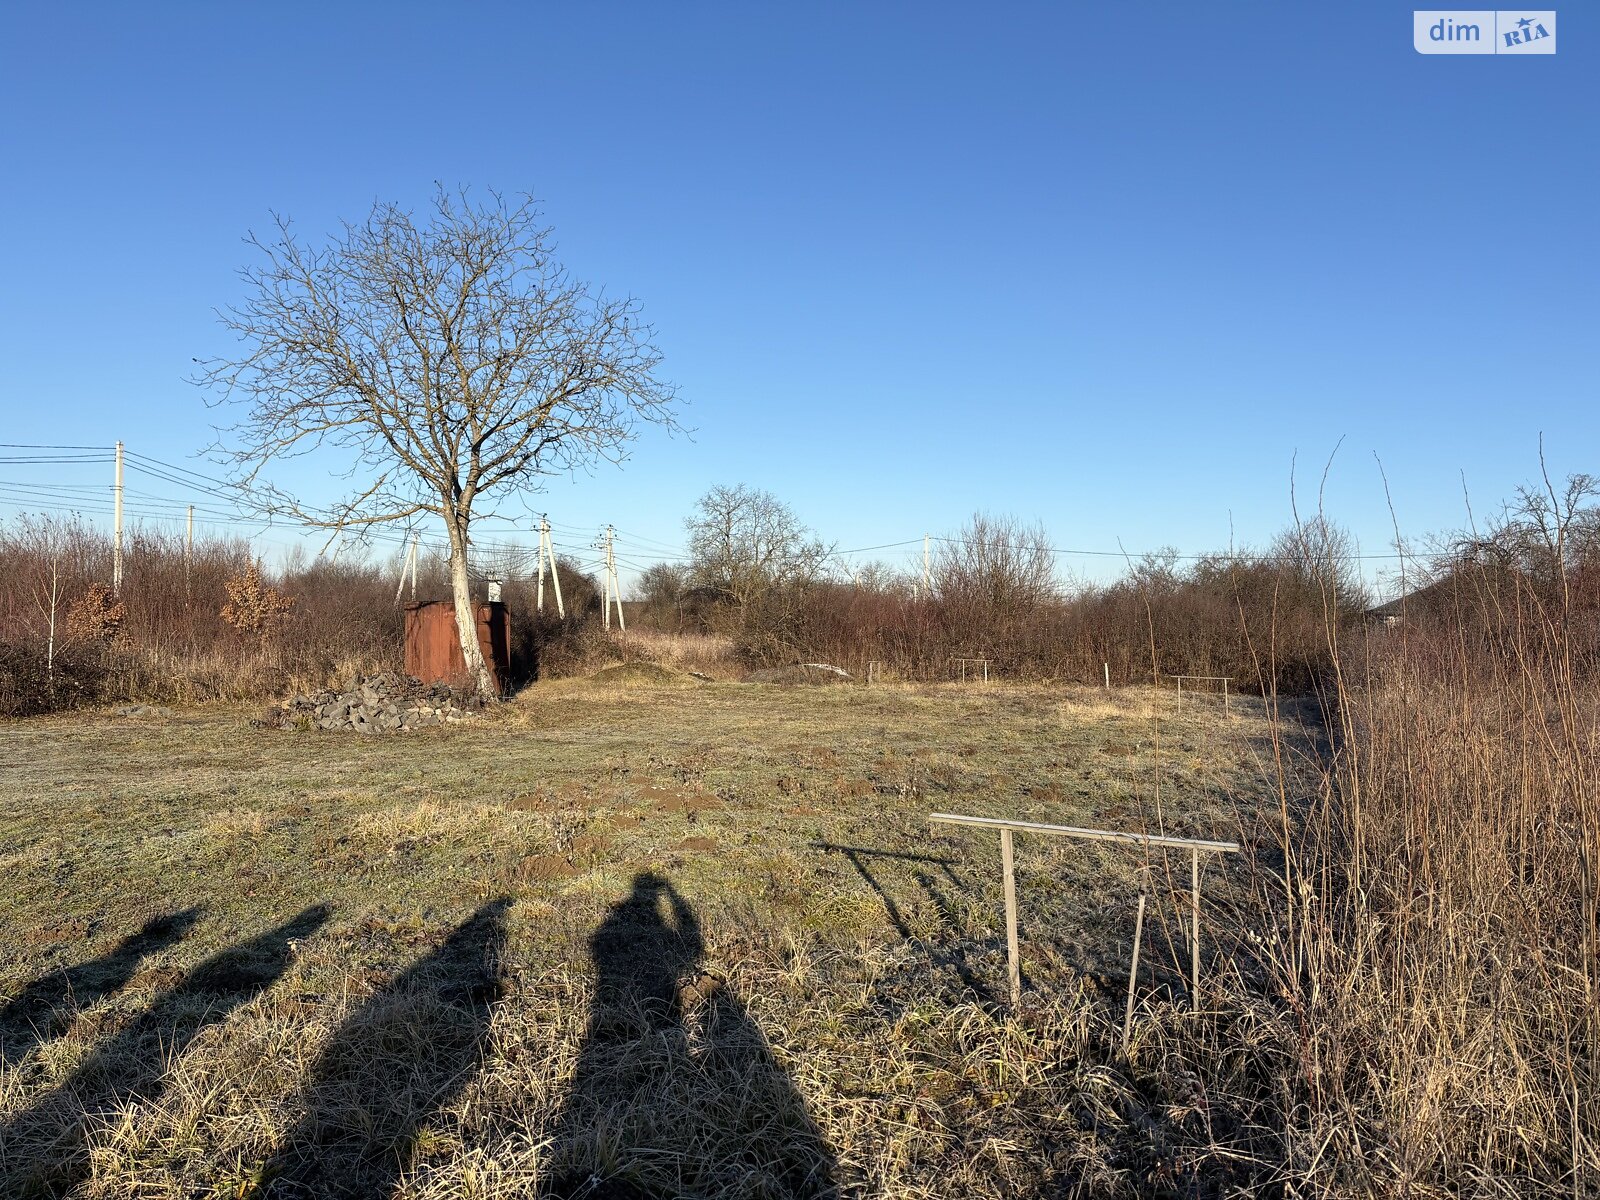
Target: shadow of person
40 1010
676 1092
43 1150
397 1060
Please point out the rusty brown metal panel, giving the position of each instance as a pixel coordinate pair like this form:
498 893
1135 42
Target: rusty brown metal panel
433 649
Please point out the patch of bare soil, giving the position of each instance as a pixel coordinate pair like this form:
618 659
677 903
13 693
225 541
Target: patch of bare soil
545 868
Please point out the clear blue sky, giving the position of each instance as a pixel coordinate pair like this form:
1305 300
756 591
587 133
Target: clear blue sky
1108 268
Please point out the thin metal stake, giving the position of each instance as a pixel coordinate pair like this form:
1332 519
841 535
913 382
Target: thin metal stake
1194 926
1013 955
1133 973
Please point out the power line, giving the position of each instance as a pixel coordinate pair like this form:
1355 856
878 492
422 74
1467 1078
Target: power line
34 446
1219 555
249 510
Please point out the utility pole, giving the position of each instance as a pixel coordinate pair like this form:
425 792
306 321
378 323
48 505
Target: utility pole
188 550
408 563
116 532
547 550
613 588
616 585
555 574
927 569
538 604
605 578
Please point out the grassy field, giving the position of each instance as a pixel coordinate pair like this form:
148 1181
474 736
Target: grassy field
616 939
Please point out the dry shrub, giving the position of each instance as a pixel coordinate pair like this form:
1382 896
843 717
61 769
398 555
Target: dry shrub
165 636
255 607
998 593
96 617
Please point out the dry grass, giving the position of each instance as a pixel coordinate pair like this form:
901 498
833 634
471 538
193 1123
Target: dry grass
709 654
626 939
1436 939
601 935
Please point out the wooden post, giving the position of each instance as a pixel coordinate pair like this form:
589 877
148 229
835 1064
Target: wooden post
1224 693
1194 926
1013 956
1133 972
1107 666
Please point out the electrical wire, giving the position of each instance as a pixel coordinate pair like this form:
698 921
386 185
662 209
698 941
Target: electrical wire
641 551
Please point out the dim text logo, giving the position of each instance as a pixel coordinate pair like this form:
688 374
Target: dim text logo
1484 31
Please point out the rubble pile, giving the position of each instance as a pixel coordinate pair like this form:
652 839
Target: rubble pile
382 703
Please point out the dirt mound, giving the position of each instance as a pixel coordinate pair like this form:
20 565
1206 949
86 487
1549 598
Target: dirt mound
642 674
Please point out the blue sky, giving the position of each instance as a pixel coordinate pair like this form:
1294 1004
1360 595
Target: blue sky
1108 268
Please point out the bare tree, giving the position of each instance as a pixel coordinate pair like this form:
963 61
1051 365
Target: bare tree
997 567
661 589
746 544
445 359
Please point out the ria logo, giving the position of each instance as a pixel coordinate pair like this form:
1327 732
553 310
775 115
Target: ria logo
1529 30
1484 31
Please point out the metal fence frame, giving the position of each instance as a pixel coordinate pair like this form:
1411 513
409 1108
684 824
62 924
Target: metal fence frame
963 664
1007 866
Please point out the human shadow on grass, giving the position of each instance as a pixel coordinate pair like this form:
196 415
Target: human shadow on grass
44 1149
955 956
394 1063
44 1007
677 1092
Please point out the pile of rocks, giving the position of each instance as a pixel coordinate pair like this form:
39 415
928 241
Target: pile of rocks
383 703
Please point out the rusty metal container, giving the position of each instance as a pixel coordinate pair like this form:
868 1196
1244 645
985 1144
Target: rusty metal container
433 648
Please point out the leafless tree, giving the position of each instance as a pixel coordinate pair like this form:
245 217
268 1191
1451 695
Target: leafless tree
661 590
996 566
447 359
746 544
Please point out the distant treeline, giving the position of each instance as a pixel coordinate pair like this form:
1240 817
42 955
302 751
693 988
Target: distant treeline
219 623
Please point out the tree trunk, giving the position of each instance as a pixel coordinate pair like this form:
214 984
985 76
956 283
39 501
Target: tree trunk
467 616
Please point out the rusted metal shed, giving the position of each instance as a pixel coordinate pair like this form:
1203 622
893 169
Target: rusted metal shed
433 648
